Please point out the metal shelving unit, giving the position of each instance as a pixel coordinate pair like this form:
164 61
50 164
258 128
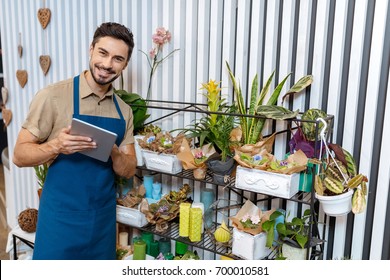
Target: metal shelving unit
303 198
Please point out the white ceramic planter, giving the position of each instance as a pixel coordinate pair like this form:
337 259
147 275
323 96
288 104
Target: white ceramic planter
337 205
266 182
138 150
248 246
293 253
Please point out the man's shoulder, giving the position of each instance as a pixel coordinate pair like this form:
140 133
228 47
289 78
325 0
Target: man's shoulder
59 87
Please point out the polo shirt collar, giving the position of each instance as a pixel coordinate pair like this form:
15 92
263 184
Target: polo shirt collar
85 90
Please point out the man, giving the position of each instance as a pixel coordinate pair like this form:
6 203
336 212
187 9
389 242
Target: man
77 212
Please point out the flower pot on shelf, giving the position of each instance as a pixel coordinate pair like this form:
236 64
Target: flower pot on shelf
281 185
221 169
336 205
294 253
138 150
200 173
168 163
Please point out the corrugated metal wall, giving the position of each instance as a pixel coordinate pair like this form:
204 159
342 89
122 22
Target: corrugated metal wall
344 44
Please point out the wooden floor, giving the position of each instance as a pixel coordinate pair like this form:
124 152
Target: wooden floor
3 222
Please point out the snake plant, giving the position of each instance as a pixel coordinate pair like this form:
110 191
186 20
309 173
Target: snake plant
252 126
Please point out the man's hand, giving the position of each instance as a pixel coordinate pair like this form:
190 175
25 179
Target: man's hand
29 152
67 143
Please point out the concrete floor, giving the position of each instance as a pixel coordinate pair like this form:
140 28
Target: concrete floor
3 223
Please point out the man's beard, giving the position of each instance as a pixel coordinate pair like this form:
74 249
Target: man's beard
100 81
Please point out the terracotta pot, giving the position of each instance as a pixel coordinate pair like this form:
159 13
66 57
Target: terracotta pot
39 191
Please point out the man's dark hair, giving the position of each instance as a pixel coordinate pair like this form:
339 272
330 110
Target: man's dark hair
117 31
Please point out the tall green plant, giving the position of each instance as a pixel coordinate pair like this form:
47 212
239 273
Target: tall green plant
214 128
252 126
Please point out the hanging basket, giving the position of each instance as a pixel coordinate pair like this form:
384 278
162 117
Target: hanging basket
336 205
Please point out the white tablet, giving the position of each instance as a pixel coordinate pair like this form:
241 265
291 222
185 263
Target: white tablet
104 139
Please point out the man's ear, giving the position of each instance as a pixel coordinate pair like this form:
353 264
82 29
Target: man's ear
124 67
90 51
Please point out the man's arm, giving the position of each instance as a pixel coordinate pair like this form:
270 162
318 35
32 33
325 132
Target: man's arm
124 160
29 152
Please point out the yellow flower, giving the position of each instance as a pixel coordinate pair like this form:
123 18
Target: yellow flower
213 98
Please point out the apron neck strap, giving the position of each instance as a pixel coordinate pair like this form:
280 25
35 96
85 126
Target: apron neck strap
76 102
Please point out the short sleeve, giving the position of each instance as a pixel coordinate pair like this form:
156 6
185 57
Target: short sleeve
129 134
41 115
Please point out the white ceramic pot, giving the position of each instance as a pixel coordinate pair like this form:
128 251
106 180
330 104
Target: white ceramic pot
337 205
138 150
293 253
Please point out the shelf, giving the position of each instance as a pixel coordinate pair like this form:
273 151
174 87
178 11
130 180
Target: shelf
302 197
206 243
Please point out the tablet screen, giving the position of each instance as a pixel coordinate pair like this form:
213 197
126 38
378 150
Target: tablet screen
104 139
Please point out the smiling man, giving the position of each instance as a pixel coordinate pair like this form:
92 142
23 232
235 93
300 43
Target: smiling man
77 211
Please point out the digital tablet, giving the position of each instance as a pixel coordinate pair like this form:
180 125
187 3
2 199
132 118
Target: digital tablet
104 139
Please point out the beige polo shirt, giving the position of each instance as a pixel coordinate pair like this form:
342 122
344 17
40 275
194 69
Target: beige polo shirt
52 109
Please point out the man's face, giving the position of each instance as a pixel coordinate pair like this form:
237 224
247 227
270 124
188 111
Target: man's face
107 60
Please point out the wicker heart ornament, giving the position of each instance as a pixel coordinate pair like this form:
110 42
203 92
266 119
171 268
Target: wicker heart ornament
7 116
22 77
45 62
44 16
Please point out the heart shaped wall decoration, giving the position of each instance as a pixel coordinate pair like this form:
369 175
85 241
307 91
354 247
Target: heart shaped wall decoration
22 77
7 116
4 94
44 15
45 61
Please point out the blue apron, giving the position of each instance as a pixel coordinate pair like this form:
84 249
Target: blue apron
77 212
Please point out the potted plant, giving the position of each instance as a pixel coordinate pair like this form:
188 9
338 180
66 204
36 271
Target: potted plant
41 173
338 185
215 128
252 126
290 238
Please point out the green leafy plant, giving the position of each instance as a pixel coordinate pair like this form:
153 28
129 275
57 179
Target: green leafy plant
138 106
252 126
294 232
339 175
41 173
217 123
